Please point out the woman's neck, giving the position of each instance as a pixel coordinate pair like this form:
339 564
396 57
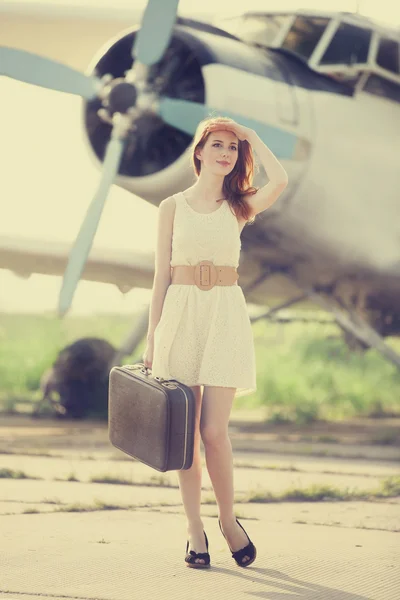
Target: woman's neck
209 187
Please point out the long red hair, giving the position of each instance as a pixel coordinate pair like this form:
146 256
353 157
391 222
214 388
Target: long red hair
238 183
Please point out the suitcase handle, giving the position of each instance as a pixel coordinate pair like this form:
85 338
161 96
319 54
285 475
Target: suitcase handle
148 371
145 371
141 367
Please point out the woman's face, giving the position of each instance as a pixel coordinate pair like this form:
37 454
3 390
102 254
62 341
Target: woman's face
220 152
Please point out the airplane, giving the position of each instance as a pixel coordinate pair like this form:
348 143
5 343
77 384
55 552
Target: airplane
321 88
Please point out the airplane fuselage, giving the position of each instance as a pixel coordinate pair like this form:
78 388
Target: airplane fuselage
335 227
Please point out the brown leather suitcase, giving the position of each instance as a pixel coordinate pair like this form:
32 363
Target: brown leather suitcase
151 419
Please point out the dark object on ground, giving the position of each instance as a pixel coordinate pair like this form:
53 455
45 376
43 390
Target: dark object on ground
77 383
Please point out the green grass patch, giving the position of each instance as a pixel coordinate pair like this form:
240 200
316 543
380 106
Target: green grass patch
309 373
51 501
76 507
247 465
71 477
110 479
154 481
102 505
14 474
30 343
388 488
162 481
305 371
81 507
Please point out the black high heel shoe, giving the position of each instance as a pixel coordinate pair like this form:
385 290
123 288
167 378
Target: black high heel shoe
190 558
249 550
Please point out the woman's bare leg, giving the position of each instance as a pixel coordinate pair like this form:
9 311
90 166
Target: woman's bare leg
216 409
190 487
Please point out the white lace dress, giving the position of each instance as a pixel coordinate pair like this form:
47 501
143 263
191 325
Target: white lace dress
205 337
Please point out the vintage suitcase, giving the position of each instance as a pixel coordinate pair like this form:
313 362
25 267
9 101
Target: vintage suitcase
151 419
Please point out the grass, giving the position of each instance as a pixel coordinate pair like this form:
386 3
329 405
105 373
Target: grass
311 374
101 505
14 474
80 507
111 479
154 481
388 488
165 482
30 343
305 372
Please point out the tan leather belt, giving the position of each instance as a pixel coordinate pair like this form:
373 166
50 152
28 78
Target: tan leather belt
205 275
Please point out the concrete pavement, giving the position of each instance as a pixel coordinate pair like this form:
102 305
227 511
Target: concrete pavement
81 539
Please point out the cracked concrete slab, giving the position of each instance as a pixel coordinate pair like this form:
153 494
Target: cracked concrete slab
307 550
125 555
274 480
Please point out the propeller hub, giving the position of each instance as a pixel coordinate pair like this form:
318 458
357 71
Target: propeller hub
151 145
121 97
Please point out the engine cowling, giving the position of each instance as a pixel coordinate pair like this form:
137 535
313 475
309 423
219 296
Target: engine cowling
155 157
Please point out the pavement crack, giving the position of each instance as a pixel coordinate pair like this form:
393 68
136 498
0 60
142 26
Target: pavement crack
40 595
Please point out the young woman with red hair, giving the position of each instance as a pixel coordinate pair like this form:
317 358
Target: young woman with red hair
199 329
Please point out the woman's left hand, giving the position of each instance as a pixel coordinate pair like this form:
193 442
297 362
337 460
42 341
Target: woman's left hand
242 132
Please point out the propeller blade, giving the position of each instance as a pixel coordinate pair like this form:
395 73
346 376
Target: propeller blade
85 237
155 32
47 73
185 115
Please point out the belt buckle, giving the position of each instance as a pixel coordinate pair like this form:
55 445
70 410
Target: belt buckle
205 275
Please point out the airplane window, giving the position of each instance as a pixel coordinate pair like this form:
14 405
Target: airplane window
349 46
255 29
262 30
232 25
304 35
382 87
389 55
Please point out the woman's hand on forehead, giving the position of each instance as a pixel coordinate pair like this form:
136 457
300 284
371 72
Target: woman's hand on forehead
240 131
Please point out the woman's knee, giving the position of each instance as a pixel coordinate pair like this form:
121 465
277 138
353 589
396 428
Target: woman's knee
213 435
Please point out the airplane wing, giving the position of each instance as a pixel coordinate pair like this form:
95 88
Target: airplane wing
125 269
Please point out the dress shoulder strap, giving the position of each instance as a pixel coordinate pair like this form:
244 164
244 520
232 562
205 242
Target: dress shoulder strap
178 198
179 208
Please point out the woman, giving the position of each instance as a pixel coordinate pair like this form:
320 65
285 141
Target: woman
199 329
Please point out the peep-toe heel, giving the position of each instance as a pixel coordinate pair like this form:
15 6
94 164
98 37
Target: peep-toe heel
249 550
190 558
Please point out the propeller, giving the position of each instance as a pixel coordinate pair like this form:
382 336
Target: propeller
124 99
186 116
47 73
155 32
159 17
84 240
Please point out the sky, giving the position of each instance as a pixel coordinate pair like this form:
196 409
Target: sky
48 178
